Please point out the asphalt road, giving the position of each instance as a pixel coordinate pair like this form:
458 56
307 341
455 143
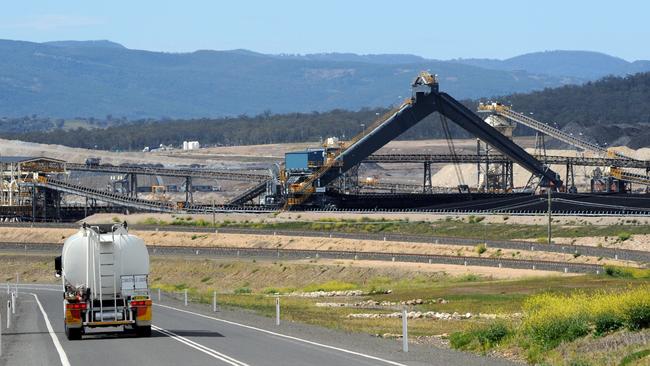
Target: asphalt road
195 336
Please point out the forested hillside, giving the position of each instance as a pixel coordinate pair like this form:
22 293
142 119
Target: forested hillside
614 110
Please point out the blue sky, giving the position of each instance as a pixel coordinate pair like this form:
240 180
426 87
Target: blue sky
433 29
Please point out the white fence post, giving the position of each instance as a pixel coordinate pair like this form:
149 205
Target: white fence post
277 310
405 334
214 301
185 297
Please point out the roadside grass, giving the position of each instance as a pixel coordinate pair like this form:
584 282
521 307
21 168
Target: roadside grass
473 227
461 294
552 319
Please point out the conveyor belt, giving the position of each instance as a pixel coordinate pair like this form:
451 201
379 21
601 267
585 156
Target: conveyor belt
108 197
249 194
194 173
497 159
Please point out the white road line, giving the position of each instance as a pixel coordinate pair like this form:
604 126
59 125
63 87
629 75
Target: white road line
288 337
62 356
209 351
38 289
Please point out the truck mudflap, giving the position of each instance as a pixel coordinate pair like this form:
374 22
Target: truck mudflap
74 314
142 312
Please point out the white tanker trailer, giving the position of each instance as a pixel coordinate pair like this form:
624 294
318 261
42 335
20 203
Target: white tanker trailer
105 274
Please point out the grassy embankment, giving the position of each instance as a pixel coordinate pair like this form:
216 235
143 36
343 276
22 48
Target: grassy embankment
563 315
605 327
470 227
560 314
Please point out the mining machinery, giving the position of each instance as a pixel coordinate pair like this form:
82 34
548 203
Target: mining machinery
316 174
621 175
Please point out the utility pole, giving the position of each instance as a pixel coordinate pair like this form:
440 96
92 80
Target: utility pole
213 214
549 214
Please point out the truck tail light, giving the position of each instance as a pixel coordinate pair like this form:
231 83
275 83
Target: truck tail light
76 306
140 303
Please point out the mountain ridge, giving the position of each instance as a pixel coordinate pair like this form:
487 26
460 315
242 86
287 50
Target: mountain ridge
95 78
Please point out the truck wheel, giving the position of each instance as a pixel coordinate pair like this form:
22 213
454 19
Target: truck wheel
73 334
144 331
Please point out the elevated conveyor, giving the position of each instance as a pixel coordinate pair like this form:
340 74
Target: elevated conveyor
108 197
498 159
249 194
170 172
507 112
426 99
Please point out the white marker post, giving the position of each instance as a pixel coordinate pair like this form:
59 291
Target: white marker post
13 303
214 301
8 314
405 333
158 294
185 297
277 310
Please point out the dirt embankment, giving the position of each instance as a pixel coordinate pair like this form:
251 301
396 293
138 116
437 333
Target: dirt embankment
634 242
215 239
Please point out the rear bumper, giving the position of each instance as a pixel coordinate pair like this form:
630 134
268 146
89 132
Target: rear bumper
110 323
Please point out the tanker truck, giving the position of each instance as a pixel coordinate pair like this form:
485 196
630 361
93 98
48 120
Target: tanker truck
105 271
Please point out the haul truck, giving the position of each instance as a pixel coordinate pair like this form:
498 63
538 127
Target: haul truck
105 271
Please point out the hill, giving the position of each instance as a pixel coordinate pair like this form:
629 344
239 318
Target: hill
575 64
614 110
95 78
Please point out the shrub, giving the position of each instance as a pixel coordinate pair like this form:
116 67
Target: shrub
627 272
201 222
330 286
623 236
606 314
552 319
470 277
150 221
480 338
475 219
635 307
461 340
481 248
243 290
